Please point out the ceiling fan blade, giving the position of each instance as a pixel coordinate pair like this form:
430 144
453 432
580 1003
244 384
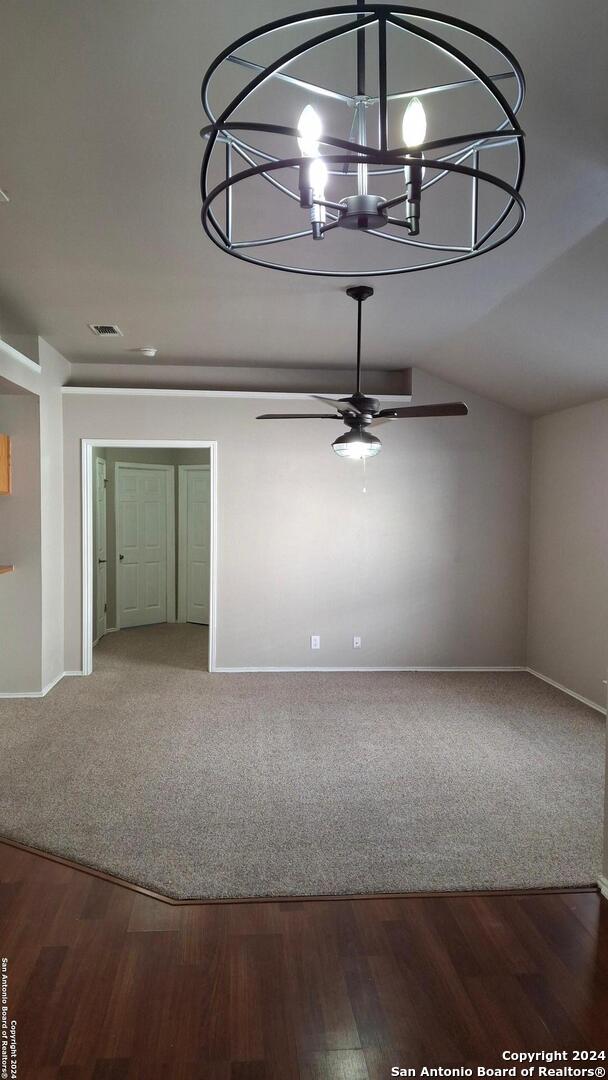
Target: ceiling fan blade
298 416
446 408
341 406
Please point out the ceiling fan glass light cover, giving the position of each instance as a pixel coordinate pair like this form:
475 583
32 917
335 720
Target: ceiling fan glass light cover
344 140
356 445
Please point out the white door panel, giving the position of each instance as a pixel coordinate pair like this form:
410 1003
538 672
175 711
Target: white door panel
195 543
142 539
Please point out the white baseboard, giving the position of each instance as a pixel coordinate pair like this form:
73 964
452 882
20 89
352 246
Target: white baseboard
603 884
35 693
286 670
254 670
39 693
566 690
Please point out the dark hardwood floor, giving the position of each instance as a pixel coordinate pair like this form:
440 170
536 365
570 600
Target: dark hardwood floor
109 984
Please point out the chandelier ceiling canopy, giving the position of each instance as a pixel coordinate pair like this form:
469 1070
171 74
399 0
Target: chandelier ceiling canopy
362 140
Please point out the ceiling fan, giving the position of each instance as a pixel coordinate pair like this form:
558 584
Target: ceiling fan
359 412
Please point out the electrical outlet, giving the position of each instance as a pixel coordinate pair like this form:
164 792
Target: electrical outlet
315 641
356 642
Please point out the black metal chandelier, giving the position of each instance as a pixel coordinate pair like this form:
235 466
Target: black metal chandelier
411 202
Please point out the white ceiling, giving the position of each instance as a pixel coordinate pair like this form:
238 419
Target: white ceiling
100 113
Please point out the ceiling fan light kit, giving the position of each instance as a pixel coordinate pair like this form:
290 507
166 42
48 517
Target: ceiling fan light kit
384 155
357 444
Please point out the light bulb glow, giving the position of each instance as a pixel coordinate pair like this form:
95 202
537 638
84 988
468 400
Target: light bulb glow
310 130
357 445
317 177
414 124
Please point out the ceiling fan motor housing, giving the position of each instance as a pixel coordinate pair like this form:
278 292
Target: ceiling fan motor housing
367 408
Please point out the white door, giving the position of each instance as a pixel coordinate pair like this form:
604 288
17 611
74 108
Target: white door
101 581
144 509
194 543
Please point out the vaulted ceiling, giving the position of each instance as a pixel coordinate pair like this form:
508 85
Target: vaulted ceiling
100 113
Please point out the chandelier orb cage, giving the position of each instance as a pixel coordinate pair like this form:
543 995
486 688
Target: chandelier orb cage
332 183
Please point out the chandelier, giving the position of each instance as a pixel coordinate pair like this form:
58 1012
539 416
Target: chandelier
400 149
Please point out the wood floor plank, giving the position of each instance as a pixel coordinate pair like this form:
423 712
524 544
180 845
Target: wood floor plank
108 984
334 1065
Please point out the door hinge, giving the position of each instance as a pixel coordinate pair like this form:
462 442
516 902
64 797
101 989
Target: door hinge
105 607
105 481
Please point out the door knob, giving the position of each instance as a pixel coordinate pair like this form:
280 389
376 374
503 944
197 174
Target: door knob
121 556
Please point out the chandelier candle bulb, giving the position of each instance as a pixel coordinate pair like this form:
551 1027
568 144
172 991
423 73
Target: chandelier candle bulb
310 130
413 127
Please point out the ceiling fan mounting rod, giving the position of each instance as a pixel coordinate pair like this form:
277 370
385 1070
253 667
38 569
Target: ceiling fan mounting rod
359 293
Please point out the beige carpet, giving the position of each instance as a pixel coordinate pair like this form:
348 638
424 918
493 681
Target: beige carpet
201 785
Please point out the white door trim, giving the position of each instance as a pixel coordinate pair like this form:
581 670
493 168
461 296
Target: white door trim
182 599
87 487
169 471
104 547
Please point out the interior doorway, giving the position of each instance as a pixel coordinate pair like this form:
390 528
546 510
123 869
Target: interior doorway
149 549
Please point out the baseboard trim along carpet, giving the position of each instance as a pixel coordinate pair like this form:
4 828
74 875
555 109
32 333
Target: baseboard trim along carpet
81 868
294 670
565 690
8 695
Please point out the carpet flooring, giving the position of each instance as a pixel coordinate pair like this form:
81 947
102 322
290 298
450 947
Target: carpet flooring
200 785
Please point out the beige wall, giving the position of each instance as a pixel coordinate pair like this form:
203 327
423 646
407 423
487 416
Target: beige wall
38 600
53 374
568 593
20 592
429 567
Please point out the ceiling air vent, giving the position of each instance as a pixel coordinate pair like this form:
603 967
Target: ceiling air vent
105 330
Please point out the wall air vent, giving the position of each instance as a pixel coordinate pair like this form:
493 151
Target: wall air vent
105 330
